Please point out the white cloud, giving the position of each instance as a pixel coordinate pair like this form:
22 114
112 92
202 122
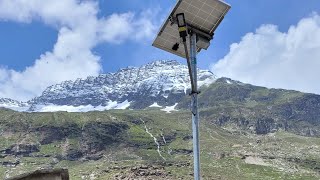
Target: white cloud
79 31
3 75
275 59
120 27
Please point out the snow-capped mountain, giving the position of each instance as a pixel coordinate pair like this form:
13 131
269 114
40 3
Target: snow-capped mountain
13 104
157 84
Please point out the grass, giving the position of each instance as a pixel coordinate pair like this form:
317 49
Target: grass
221 149
51 149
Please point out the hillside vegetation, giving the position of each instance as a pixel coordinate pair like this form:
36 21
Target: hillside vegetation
124 144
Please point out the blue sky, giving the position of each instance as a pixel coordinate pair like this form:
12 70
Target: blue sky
25 38
22 43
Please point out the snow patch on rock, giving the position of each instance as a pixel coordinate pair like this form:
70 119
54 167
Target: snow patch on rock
155 105
123 105
169 109
82 108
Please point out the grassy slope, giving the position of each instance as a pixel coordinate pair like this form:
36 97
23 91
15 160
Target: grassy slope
222 151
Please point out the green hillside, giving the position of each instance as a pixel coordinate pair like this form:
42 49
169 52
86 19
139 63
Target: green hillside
107 145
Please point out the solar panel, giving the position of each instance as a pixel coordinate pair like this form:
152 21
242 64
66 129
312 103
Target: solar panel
202 15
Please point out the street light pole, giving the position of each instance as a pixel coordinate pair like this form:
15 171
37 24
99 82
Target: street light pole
194 106
192 67
169 39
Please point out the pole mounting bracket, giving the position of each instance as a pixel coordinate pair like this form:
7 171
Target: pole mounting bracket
194 92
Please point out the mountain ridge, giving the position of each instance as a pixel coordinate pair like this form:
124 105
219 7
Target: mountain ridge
164 82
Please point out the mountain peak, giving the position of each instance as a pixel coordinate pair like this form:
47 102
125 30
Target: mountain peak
154 65
164 62
162 82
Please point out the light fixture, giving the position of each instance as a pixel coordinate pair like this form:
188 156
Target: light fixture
182 26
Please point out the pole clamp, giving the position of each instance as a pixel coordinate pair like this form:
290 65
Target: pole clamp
194 92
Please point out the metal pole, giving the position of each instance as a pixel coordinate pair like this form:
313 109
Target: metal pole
194 106
189 64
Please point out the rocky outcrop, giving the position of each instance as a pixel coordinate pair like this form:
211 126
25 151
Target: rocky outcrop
75 141
265 126
144 172
96 136
21 149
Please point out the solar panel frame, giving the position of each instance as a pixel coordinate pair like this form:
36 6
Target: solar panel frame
197 15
